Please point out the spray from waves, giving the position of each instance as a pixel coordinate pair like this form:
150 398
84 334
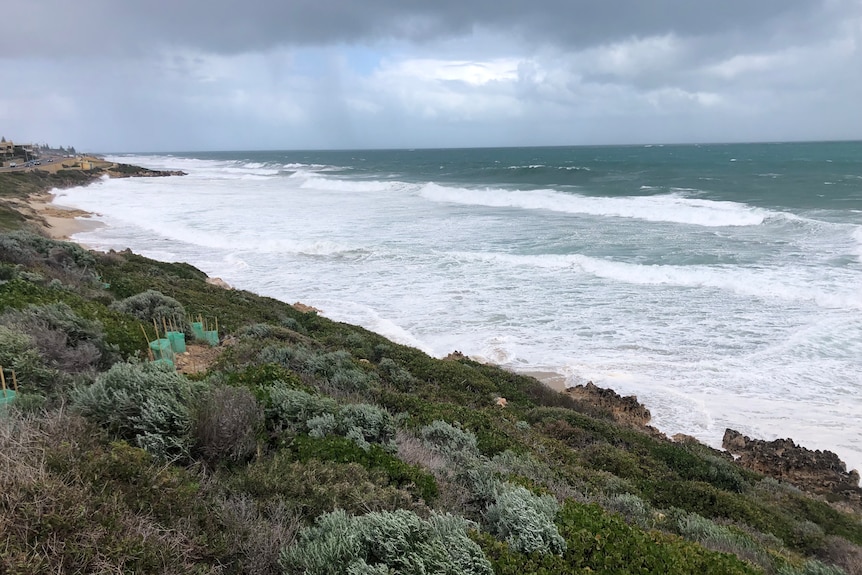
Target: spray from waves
663 208
764 284
219 169
315 182
857 237
339 310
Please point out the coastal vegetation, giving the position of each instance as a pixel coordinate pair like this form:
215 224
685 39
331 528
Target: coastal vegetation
304 445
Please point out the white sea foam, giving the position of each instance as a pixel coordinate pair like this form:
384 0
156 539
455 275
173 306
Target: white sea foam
663 208
857 237
786 284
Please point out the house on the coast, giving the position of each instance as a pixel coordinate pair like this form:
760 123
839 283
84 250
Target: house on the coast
6 148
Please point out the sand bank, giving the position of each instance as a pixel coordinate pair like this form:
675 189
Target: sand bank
61 222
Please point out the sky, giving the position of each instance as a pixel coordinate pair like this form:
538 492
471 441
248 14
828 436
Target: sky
195 75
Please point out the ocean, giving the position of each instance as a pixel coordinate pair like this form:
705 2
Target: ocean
720 284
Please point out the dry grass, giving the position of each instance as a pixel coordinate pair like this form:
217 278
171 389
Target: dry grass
57 518
258 536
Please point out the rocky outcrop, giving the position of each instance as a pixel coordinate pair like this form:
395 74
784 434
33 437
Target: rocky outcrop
129 171
819 472
627 410
299 306
218 282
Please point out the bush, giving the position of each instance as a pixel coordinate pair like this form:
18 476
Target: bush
18 353
525 520
335 371
293 408
227 423
144 403
374 458
396 375
633 508
257 535
373 424
319 483
321 416
812 567
450 440
385 542
64 339
153 305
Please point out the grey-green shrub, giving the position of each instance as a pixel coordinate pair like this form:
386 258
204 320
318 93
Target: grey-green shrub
385 542
374 424
145 403
811 567
397 375
27 248
294 408
450 440
18 352
525 520
335 371
153 305
722 538
320 416
633 508
65 340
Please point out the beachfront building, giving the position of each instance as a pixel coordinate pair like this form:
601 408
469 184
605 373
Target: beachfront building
6 148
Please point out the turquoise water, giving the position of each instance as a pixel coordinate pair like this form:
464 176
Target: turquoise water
721 284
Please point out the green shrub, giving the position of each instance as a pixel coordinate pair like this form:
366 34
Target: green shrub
144 403
375 458
633 508
318 483
525 520
26 248
396 375
385 542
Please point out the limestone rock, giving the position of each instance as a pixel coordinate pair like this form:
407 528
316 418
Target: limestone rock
626 409
218 282
815 471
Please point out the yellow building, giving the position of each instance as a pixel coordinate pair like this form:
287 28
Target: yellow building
6 147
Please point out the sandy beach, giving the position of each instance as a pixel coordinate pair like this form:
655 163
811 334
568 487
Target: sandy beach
61 222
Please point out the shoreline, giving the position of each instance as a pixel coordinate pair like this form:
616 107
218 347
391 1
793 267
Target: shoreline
62 222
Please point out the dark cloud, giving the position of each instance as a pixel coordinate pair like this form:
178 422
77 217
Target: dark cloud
60 27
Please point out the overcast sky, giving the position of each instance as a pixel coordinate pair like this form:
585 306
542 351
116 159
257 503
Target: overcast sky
159 75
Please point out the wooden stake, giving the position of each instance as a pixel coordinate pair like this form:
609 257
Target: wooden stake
216 324
147 339
156 327
14 381
165 325
3 379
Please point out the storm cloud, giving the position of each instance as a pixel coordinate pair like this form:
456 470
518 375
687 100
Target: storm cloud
225 74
